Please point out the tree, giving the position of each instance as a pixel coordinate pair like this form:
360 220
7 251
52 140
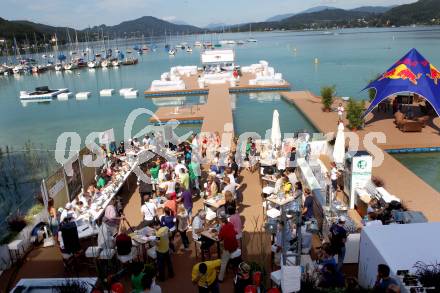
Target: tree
355 110
327 98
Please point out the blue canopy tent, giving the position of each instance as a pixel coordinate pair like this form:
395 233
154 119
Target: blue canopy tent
412 73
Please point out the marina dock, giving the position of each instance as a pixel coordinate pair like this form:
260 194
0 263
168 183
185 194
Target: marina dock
415 193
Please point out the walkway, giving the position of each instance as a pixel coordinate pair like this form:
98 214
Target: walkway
415 193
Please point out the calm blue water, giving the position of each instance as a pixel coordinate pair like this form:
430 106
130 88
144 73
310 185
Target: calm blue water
347 59
425 165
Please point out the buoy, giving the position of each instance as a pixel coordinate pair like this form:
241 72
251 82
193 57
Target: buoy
64 96
316 61
82 95
106 92
130 94
122 91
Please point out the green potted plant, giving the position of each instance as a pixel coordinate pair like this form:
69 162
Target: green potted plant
354 114
327 97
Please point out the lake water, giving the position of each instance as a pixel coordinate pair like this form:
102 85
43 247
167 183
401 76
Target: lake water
347 59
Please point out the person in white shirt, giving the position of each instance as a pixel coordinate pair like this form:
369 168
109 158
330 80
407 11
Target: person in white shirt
178 167
341 112
292 176
281 164
278 183
68 211
148 209
198 224
146 142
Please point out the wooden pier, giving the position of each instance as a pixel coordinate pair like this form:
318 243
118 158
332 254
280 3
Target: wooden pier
415 193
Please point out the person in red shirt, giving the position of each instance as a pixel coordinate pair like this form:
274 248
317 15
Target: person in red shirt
227 234
171 204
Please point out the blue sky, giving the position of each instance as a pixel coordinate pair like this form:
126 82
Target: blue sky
84 13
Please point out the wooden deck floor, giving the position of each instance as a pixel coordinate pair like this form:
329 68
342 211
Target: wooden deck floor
399 180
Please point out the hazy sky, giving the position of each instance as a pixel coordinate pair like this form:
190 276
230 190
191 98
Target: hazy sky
84 13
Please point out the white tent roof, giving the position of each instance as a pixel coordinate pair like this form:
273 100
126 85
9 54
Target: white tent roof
401 246
218 56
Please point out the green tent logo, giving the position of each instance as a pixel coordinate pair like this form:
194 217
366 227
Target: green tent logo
362 164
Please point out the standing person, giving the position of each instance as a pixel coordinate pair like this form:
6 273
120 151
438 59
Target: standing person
163 253
171 203
149 210
229 202
186 199
334 178
236 221
169 221
149 286
182 225
111 218
383 280
184 178
292 159
123 242
227 234
194 173
198 225
307 211
145 186
338 237
341 112
204 275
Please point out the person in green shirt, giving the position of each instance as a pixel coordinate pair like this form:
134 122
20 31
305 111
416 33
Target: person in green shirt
154 171
101 181
193 170
136 277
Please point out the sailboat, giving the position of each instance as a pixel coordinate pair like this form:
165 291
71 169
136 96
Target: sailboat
251 39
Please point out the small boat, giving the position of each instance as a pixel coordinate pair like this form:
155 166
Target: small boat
145 48
105 63
130 61
18 69
189 49
58 67
70 66
92 64
172 52
252 40
115 63
240 42
230 42
42 92
197 44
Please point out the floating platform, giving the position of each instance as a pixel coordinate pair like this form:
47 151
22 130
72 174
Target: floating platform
106 92
130 94
123 90
64 96
82 95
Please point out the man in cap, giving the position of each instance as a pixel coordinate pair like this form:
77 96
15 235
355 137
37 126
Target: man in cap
242 278
338 237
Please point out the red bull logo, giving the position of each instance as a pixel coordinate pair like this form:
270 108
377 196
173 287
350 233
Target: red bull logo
433 74
402 72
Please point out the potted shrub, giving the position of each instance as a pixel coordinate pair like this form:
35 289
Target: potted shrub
327 98
354 114
428 274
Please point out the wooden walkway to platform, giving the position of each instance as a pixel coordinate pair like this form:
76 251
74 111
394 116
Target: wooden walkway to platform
416 194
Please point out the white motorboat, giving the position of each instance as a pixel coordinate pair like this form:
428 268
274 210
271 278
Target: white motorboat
92 64
58 67
230 42
172 52
115 63
197 44
18 69
105 63
70 66
189 49
41 93
240 42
